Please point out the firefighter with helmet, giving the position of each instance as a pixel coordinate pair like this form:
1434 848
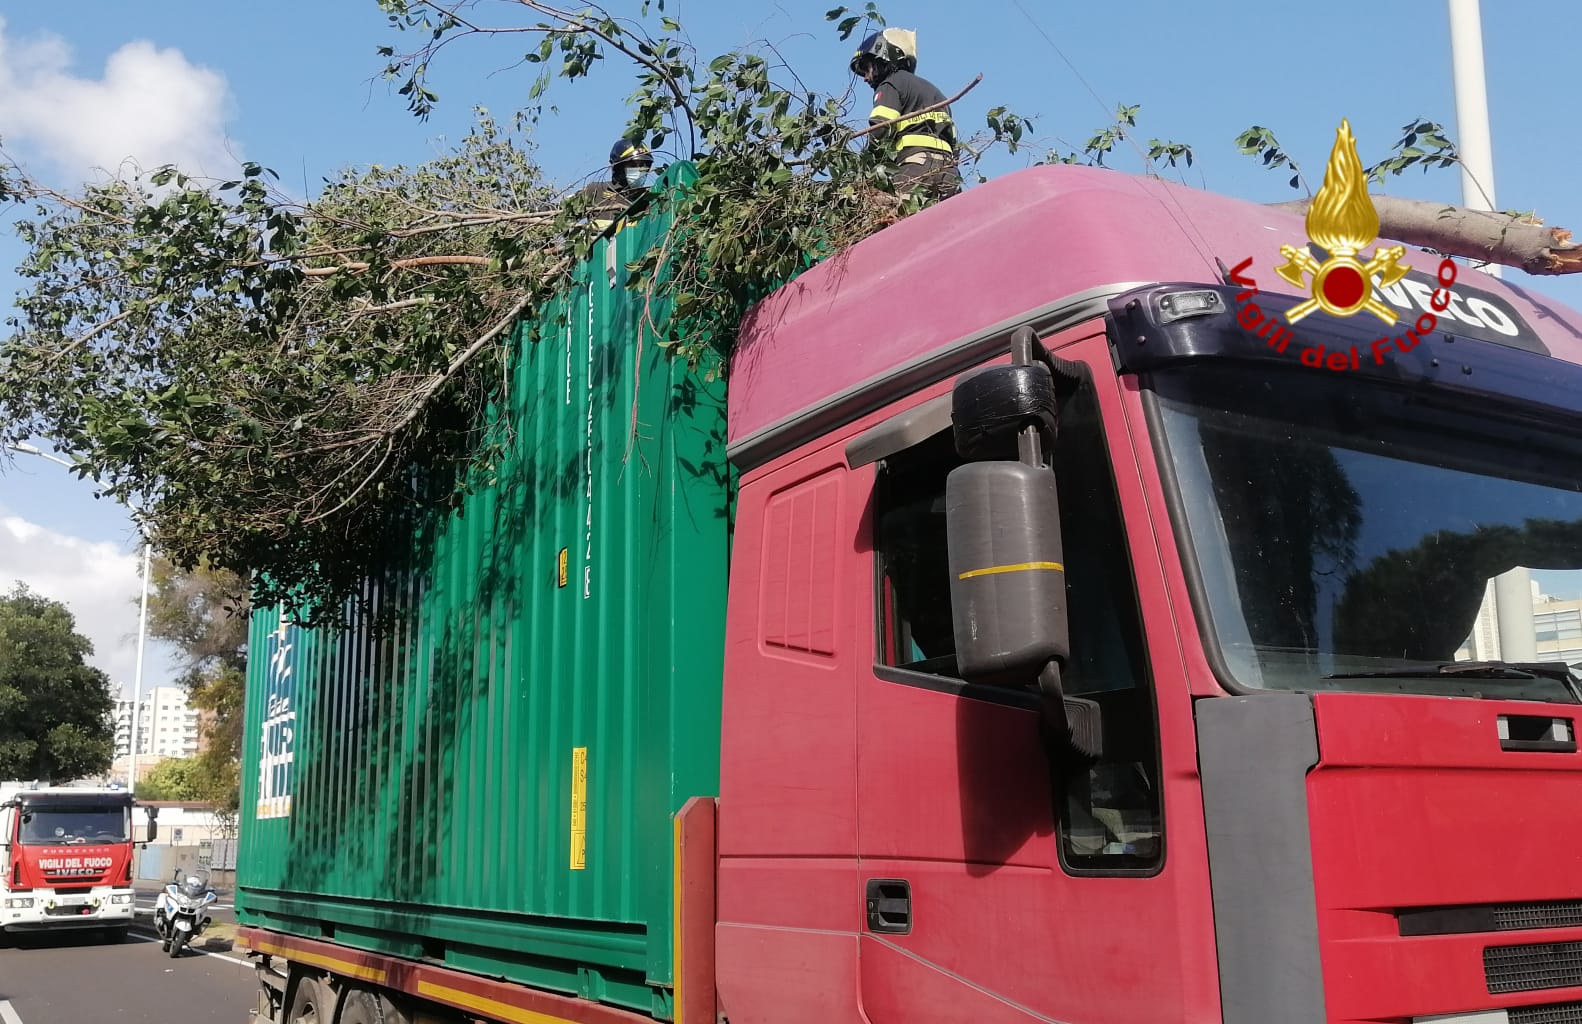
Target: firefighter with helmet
630 166
924 143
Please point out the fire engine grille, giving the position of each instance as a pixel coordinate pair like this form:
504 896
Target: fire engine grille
1490 917
1556 1013
1532 968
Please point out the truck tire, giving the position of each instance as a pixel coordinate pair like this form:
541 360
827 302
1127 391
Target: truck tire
310 1003
363 1007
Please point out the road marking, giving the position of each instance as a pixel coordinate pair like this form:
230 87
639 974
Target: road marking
144 938
7 1014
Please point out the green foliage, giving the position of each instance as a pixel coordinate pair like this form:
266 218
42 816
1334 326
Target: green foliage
55 722
1103 142
283 387
204 613
260 379
1423 143
174 778
1260 142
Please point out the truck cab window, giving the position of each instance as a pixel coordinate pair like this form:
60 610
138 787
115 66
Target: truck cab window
1109 819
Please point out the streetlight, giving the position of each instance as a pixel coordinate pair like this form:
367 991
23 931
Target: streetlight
1513 597
142 627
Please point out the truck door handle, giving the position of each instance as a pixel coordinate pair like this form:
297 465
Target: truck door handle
889 905
1531 732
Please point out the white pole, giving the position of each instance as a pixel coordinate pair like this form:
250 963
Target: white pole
142 622
1513 601
1472 110
137 684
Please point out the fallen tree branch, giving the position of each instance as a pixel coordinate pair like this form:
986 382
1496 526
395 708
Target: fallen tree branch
419 398
421 300
87 335
1473 234
407 264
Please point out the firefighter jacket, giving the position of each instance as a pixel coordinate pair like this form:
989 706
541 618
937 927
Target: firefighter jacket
605 201
900 94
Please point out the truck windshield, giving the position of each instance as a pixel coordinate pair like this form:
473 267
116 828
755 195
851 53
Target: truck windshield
90 825
1348 535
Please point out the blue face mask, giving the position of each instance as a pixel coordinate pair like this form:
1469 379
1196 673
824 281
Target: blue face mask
635 177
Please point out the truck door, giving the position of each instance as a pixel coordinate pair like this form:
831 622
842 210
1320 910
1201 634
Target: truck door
995 887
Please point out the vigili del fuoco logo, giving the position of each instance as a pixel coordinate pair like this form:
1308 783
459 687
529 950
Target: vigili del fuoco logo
1342 222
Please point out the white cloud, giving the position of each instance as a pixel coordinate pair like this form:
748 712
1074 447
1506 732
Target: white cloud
150 106
96 581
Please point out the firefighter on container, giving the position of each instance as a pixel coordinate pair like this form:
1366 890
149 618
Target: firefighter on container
924 143
630 166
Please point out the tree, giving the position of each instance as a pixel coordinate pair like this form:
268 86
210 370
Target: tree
175 778
55 709
204 613
282 387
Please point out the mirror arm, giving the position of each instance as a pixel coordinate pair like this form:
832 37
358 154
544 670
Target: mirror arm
1072 725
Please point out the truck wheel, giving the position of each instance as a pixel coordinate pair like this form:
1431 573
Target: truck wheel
309 1003
363 1007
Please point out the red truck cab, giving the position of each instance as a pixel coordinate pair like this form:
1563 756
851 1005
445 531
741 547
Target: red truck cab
1313 802
68 860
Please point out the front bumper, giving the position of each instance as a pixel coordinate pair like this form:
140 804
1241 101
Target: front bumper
49 911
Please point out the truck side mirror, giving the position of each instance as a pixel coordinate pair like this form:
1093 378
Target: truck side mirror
1006 553
153 824
1007 577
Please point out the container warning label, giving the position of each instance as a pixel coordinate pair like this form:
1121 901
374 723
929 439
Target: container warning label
564 552
579 808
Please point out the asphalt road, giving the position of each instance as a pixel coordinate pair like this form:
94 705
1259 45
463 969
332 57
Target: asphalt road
78 979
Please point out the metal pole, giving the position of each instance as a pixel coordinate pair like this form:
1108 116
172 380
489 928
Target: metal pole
1472 110
137 685
142 622
1513 601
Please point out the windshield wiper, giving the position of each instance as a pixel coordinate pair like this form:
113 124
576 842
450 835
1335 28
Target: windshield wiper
1556 670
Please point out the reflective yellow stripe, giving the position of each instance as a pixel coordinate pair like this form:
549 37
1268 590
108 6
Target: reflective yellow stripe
884 114
675 912
492 1007
327 962
627 152
935 116
923 142
995 570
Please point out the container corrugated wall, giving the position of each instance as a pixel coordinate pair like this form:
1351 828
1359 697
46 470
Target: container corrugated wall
413 792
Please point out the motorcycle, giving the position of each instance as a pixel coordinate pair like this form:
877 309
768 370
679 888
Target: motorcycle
180 911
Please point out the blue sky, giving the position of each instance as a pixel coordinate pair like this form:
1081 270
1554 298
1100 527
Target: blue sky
295 85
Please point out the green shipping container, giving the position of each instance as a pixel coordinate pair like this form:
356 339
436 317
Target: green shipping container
490 785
